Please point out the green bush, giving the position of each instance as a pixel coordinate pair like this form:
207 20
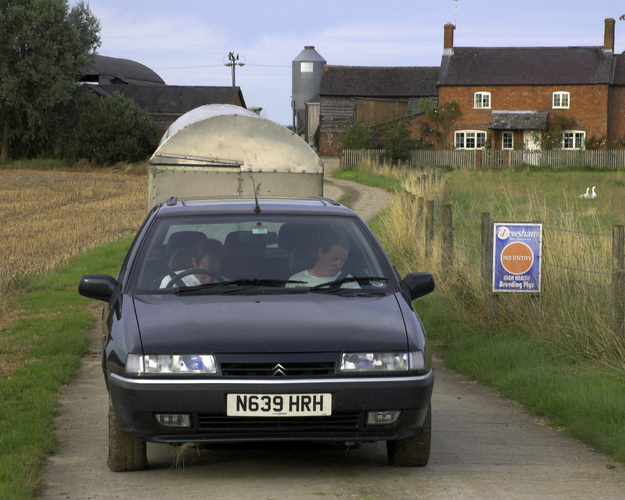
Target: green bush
398 141
110 130
358 136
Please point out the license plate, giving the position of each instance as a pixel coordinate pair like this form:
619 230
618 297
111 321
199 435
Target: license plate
278 405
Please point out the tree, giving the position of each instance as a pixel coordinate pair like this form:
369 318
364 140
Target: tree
45 46
110 130
398 141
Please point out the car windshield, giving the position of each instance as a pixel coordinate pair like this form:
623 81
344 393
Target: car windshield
279 253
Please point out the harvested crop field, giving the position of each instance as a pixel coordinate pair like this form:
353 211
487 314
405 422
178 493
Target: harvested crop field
48 217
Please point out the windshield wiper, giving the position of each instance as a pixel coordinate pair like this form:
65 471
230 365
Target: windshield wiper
358 281
234 285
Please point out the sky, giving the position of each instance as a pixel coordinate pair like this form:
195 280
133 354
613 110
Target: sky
187 42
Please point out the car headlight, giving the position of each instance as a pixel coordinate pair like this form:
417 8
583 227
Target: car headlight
171 364
382 361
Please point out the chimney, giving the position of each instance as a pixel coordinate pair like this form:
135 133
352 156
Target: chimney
608 37
448 41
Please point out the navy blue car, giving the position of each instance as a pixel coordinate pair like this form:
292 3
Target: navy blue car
238 320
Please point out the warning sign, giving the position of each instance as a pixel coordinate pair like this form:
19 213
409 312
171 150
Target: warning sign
516 257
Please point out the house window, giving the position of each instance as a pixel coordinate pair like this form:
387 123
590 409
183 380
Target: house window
469 139
573 139
481 100
507 140
561 100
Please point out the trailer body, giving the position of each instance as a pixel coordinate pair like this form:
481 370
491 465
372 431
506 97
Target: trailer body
226 150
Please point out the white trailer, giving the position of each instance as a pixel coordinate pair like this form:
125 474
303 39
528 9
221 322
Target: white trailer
226 150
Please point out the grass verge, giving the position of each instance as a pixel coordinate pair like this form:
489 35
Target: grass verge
577 395
49 333
585 400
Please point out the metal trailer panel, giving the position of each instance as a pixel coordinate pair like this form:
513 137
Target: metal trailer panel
186 182
219 156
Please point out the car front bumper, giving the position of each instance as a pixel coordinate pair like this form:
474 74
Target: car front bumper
136 401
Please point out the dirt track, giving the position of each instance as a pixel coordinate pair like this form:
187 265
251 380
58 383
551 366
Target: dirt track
482 447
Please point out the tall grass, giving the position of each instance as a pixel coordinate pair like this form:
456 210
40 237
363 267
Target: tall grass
573 312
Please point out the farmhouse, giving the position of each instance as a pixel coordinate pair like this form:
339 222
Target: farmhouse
511 97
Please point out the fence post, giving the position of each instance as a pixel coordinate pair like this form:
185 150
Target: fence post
429 227
447 241
618 279
487 264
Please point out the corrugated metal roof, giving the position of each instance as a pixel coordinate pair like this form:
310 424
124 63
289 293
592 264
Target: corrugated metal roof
104 69
376 81
175 99
526 66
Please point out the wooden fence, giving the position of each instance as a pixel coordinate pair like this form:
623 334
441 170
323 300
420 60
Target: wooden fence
426 217
492 159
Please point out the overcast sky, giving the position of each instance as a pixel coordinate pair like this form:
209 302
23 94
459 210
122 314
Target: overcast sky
187 41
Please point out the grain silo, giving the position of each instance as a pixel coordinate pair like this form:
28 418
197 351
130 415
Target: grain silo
308 69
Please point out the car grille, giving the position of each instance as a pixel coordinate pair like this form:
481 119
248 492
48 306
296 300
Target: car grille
289 425
287 369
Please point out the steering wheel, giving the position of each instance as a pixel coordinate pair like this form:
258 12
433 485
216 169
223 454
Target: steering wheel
178 278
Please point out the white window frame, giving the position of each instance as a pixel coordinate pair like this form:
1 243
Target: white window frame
503 140
469 139
561 100
481 100
573 139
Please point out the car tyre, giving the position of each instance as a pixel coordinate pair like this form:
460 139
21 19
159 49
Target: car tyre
125 454
413 451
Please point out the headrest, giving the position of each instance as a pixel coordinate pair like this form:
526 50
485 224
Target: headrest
183 239
292 236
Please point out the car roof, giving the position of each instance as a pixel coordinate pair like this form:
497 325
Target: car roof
243 205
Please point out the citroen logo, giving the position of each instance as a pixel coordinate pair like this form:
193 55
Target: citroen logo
279 370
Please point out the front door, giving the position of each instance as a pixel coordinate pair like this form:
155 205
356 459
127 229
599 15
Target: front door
531 147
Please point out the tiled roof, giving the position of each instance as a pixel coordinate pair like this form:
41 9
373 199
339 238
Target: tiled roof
372 81
518 120
526 66
619 70
174 99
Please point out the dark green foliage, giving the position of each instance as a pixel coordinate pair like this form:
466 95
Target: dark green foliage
110 130
553 134
443 116
44 46
398 141
358 136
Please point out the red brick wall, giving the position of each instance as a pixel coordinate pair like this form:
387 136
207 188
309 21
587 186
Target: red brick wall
328 144
616 115
588 105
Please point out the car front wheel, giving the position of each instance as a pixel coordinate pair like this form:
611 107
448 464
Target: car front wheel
125 454
413 451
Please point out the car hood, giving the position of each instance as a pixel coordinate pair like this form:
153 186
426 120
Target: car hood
273 323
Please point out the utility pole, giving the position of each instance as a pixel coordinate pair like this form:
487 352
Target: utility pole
233 62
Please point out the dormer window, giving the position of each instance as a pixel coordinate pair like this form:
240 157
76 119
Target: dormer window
561 100
481 100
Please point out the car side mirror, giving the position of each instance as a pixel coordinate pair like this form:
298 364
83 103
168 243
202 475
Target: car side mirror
97 286
419 284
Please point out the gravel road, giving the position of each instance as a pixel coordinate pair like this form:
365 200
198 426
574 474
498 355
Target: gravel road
483 447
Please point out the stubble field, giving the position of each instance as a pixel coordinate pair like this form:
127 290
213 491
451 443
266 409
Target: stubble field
48 217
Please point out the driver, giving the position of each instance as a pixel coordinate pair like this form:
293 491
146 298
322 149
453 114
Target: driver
206 255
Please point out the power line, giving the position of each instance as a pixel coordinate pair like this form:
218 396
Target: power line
233 63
